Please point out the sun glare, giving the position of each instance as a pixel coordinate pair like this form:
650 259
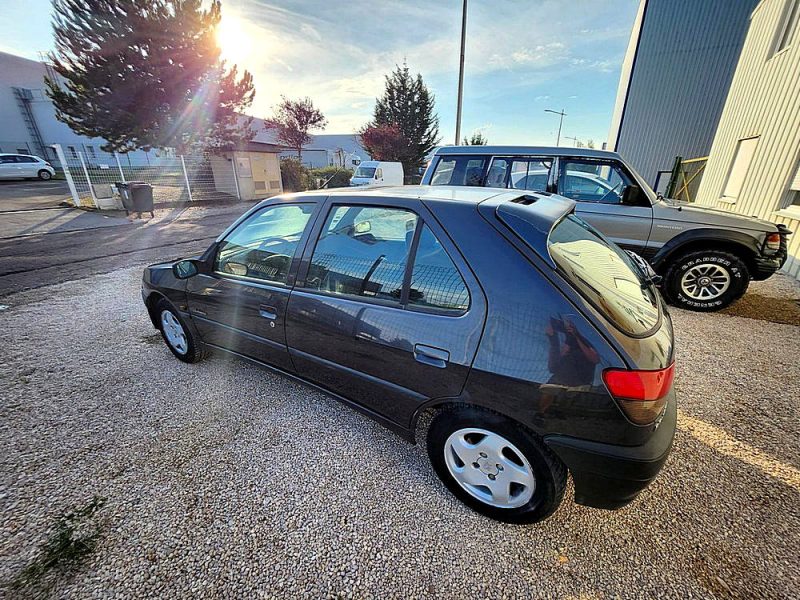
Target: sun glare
233 40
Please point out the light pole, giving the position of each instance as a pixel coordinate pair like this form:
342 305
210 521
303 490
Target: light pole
562 114
461 71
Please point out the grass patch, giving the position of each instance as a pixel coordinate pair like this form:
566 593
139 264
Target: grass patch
74 537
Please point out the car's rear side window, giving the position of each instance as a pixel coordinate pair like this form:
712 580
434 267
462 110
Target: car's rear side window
604 275
459 170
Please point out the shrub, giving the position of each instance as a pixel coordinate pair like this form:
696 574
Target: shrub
334 176
296 177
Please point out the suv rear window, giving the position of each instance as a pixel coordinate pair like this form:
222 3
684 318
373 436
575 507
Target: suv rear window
605 275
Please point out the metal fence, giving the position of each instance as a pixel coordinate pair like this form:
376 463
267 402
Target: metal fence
92 178
685 179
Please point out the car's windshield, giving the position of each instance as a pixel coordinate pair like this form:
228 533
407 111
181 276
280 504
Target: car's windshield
365 172
604 275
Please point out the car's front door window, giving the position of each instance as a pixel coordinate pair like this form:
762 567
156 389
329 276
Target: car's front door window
363 251
262 246
590 181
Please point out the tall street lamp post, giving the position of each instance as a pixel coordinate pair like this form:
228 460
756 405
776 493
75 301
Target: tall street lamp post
461 71
562 114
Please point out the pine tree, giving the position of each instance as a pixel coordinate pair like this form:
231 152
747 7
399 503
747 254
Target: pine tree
147 73
476 139
408 105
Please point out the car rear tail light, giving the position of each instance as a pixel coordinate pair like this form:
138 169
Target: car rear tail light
773 243
641 394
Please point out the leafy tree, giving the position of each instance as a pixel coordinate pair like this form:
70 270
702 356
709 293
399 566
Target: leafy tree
146 73
293 120
407 104
385 142
590 143
476 139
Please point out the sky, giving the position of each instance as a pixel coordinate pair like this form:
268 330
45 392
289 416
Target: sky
522 57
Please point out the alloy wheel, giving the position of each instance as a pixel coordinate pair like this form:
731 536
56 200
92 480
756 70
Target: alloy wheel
705 282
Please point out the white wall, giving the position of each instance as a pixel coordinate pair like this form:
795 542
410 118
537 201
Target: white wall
764 101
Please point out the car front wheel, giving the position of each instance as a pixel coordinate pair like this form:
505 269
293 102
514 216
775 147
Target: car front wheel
706 281
495 465
45 175
177 335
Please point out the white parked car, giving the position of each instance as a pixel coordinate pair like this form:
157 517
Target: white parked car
377 172
25 166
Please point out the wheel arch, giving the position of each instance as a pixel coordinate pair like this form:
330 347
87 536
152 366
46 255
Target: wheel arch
739 244
426 412
150 303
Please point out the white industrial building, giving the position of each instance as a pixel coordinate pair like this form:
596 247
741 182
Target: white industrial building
28 123
754 164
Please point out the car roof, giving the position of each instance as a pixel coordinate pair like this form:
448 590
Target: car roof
526 150
455 193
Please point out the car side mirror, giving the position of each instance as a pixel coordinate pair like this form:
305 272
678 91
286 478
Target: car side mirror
631 193
362 227
184 269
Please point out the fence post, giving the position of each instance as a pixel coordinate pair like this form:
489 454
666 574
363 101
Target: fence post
186 178
76 200
235 176
88 181
119 166
673 179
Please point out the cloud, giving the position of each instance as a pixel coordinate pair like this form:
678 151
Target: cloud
339 54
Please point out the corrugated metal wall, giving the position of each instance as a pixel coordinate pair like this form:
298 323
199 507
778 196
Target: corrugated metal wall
683 68
764 101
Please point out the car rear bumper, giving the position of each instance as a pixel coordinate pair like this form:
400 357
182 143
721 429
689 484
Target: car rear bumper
610 476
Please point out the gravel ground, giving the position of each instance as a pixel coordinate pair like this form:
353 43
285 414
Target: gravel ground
225 480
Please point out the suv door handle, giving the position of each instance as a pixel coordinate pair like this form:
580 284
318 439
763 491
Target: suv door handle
268 312
429 355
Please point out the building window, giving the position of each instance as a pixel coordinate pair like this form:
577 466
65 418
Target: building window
72 152
786 26
793 202
745 150
90 151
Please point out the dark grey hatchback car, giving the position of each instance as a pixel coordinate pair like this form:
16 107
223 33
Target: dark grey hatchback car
540 347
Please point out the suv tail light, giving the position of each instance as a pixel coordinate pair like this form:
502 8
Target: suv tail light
773 243
641 394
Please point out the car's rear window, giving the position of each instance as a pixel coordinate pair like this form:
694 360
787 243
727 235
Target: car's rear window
605 275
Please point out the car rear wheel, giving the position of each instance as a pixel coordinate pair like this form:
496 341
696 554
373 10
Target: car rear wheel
45 175
177 335
495 465
706 281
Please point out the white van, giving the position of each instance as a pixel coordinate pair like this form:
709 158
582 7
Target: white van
377 172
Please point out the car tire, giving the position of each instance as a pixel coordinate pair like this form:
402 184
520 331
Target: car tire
725 276
179 338
45 175
467 447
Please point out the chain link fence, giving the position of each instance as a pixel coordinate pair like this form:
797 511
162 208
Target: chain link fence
93 177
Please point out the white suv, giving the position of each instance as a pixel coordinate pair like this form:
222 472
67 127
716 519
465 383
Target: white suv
25 166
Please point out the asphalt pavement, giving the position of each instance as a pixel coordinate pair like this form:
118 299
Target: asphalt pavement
33 194
93 242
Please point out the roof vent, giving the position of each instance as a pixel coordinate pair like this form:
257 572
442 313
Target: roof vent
527 199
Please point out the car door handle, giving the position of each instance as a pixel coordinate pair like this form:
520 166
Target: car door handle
268 312
428 355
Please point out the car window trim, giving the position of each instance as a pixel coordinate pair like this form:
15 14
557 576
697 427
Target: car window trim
514 157
322 217
600 161
293 266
